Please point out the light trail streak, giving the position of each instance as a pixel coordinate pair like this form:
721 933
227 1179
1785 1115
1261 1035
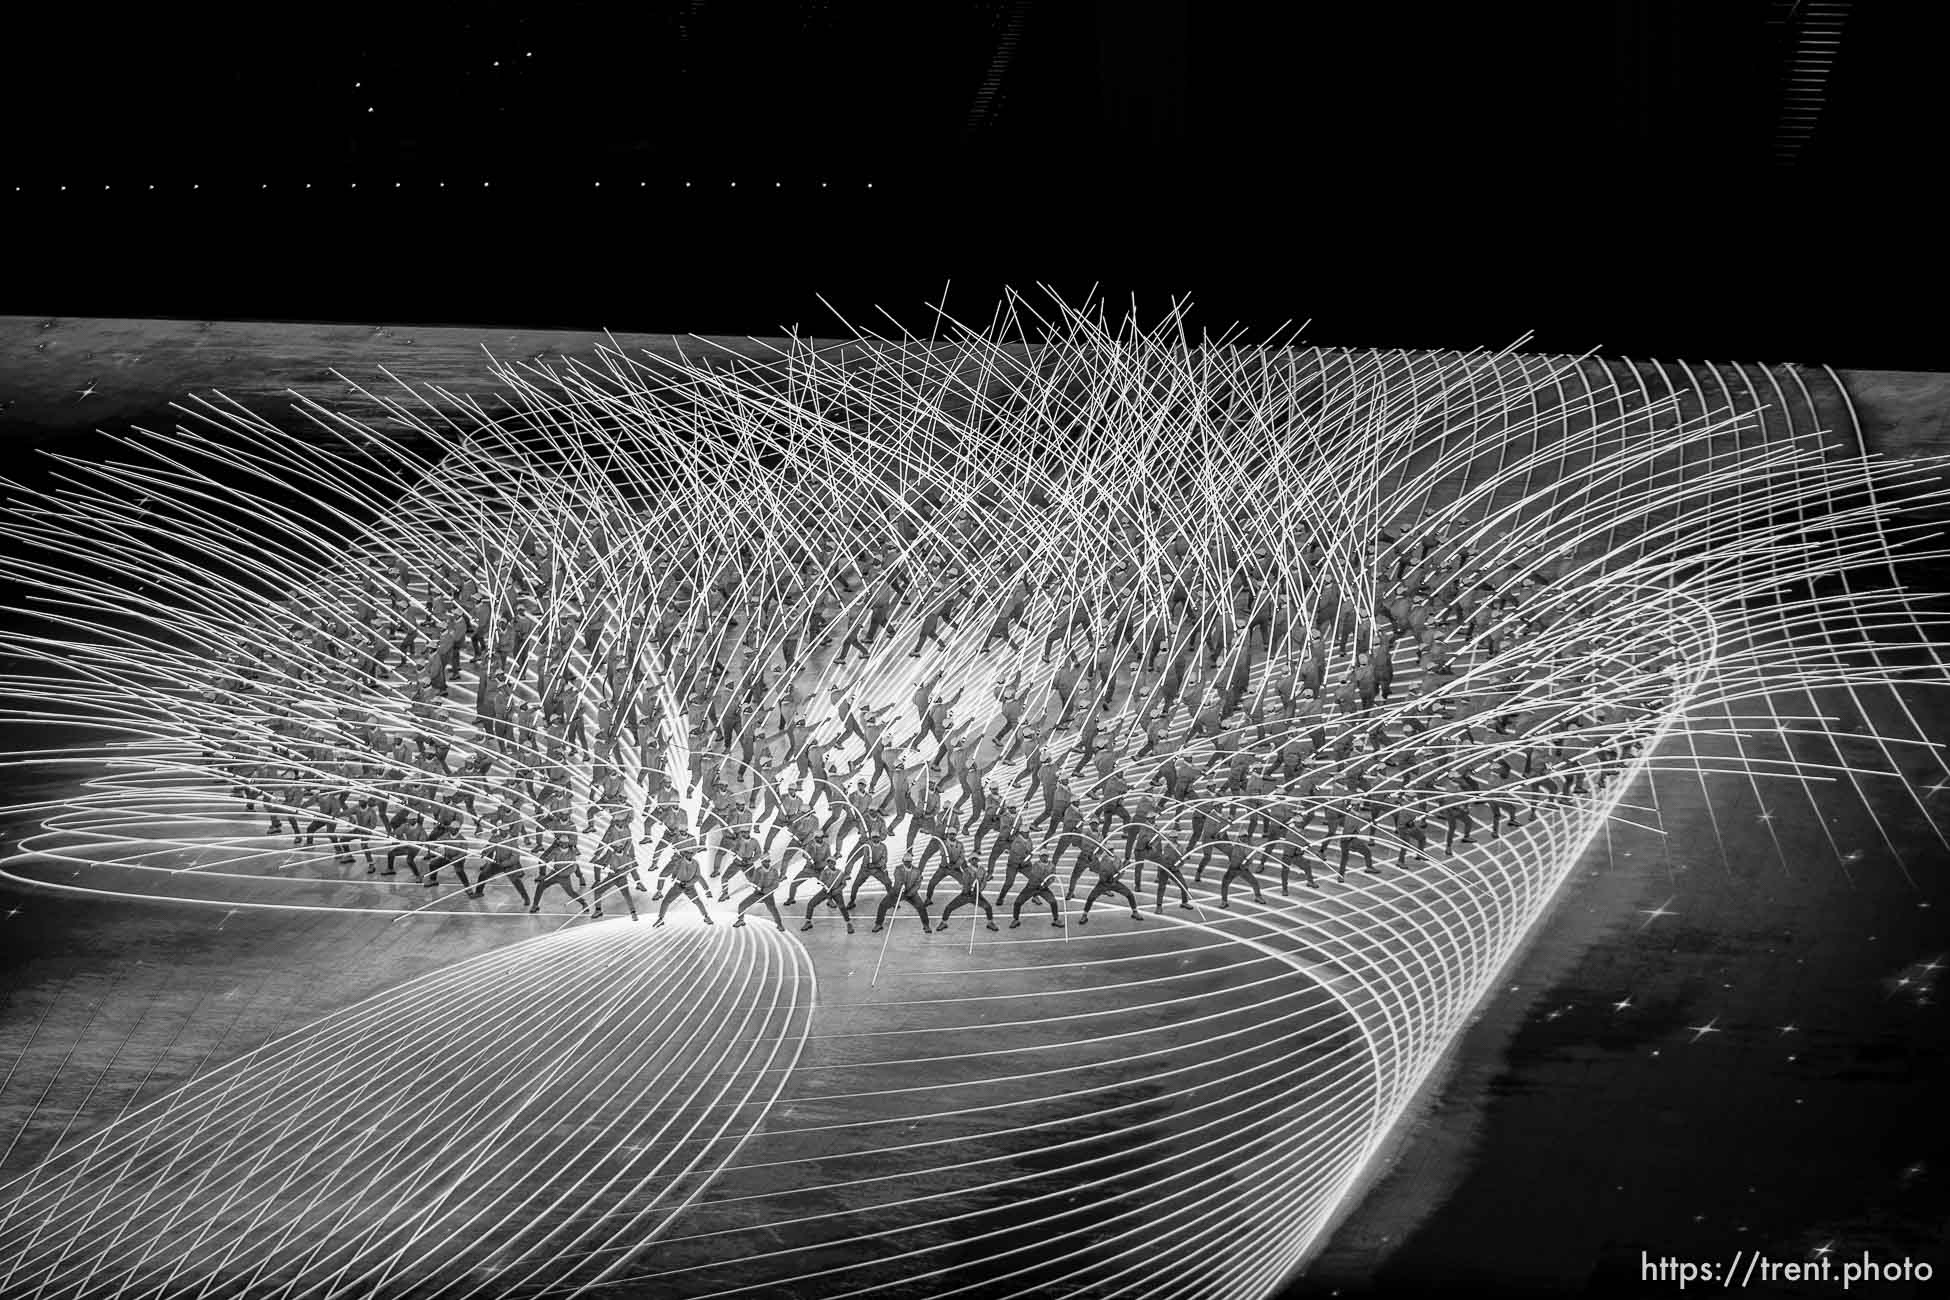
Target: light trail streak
756 986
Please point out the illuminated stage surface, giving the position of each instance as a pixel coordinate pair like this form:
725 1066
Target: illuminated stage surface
1102 1111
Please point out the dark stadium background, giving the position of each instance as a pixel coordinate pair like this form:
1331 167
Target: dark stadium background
1607 175
1615 174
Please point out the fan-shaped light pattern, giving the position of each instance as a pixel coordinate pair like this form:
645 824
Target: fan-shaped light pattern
455 1127
772 574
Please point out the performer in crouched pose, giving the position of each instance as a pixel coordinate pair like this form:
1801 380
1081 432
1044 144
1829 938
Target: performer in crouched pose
832 890
1108 868
446 848
1037 879
973 879
906 885
559 863
764 880
616 862
683 875
502 855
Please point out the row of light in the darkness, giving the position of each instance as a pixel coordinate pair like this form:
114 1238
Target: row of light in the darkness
306 185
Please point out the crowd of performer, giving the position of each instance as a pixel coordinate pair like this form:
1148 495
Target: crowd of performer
522 717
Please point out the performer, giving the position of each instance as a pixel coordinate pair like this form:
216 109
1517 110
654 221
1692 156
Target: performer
973 880
925 699
1006 616
906 885
1411 827
956 756
855 720
1063 687
1029 739
947 842
799 743
881 758
330 806
293 792
1155 721
1090 737
895 761
1090 851
1355 829
1239 762
849 815
1384 660
1109 791
818 853
873 867
366 826
611 793
764 880
1013 700
1020 849
1058 798
502 856
444 847
718 815
1498 794
1108 869
1162 854
616 861
683 873
559 858
941 613
832 891
1207 822
1000 816
980 798
1291 850
1238 858
1455 810
407 829
745 851
790 817
925 814
1037 877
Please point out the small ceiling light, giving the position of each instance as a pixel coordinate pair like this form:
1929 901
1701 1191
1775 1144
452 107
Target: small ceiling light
395 184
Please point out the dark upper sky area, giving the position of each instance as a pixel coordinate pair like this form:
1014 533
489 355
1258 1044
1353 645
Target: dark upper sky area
1748 178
